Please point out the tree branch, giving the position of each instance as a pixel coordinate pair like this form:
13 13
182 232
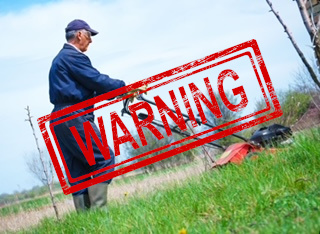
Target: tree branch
204 150
304 60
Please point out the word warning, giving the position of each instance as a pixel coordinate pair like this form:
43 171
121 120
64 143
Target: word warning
177 97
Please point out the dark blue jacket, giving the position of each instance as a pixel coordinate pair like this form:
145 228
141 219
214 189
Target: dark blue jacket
72 78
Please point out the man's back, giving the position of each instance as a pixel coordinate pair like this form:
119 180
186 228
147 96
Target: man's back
63 85
72 78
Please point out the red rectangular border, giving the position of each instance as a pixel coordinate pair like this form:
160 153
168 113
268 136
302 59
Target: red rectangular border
249 44
174 143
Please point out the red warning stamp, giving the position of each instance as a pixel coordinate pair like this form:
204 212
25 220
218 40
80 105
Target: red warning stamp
176 96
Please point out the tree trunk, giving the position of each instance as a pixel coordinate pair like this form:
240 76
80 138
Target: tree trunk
208 159
45 170
311 27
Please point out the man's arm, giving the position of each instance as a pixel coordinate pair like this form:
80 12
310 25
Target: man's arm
90 77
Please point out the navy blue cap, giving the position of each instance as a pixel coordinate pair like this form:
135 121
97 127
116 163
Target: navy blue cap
78 24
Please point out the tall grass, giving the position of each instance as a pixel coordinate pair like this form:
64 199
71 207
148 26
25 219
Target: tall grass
277 193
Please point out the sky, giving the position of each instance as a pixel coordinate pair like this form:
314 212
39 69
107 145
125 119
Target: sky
137 39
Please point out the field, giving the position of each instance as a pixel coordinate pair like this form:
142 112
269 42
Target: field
277 193
30 213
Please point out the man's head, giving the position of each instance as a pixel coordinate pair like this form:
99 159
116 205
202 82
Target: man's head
79 33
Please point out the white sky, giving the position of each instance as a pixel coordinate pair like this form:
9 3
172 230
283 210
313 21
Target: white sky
137 39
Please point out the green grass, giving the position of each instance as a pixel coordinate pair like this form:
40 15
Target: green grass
272 194
29 205
37 203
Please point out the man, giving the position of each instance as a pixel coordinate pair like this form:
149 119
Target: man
72 79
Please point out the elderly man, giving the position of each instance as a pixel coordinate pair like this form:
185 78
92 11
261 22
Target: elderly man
73 79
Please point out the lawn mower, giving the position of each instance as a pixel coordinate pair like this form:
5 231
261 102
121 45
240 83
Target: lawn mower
262 139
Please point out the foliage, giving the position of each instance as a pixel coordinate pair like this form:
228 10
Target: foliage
36 169
293 104
154 143
227 116
303 82
273 194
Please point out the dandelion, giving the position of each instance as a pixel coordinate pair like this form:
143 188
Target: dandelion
183 231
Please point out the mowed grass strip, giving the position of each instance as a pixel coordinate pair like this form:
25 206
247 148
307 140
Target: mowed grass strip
41 202
277 193
29 205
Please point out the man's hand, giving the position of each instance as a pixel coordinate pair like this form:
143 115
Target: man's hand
136 92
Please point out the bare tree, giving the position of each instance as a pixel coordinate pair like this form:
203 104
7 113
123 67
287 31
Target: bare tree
208 159
312 33
303 82
35 167
154 143
47 178
227 116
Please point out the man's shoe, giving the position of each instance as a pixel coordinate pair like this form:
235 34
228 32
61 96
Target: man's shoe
81 202
98 195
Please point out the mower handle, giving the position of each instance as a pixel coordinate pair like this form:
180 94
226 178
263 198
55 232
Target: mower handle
142 98
158 123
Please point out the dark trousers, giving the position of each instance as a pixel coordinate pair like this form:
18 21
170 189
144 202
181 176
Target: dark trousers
76 162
